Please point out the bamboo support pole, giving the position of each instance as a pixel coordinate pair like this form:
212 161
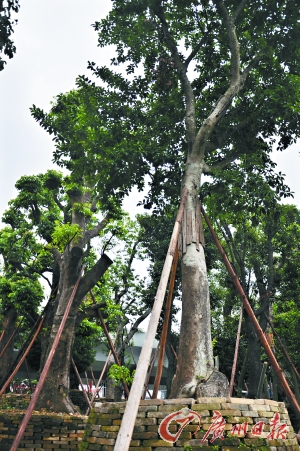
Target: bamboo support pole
283 348
111 345
289 394
163 339
127 425
236 353
149 372
44 373
99 382
81 384
4 387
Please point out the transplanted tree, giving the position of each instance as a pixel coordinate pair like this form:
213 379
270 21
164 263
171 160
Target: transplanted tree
219 79
64 212
258 241
20 290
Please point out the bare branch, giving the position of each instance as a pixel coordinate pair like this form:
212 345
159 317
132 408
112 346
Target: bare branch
135 326
47 280
126 274
197 48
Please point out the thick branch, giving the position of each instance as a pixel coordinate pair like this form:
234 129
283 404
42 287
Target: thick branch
92 276
181 70
232 39
89 234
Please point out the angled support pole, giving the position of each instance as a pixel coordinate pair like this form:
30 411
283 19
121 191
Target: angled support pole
36 394
127 425
278 371
163 339
238 335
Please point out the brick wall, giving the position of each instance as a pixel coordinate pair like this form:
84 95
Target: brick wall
105 419
44 432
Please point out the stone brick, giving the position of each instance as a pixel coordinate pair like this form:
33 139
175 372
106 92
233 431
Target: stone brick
263 413
238 420
149 402
240 401
207 406
145 421
156 414
145 435
170 407
249 413
151 408
183 401
207 400
154 443
230 412
258 406
230 405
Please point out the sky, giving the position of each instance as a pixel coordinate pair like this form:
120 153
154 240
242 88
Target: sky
54 41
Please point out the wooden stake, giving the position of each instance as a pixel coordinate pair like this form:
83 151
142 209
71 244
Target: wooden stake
81 384
127 425
236 353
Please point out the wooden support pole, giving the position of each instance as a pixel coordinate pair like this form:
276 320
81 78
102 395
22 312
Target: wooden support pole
36 394
149 372
111 345
99 382
163 338
236 353
81 384
261 335
283 348
4 387
127 425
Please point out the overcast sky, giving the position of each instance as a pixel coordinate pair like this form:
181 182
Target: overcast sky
54 41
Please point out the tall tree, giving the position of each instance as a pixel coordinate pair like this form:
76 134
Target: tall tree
66 211
218 81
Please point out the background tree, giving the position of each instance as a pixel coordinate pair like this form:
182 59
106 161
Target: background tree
63 211
7 46
222 115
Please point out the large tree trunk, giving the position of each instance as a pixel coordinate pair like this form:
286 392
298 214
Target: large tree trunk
55 393
195 355
9 326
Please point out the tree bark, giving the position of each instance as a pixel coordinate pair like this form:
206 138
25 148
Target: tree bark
9 325
55 393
